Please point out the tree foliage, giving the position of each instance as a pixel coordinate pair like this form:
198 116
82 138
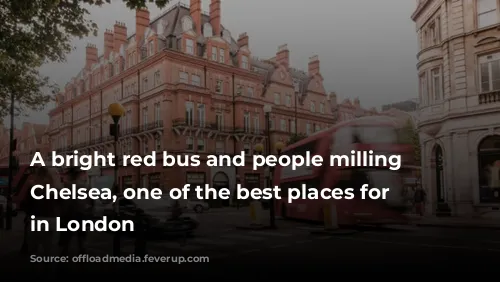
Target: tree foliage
294 138
409 135
34 32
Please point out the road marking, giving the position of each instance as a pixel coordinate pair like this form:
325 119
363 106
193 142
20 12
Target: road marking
205 241
271 234
420 245
173 245
279 246
242 237
250 251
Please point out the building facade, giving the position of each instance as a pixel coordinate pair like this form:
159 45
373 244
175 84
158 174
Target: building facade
459 92
188 87
30 138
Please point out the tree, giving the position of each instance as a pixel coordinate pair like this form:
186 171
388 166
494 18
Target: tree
409 135
34 32
294 138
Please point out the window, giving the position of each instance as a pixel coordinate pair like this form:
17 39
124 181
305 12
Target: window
490 72
219 147
157 79
183 77
195 80
145 116
321 108
256 125
201 145
145 147
151 48
283 125
423 88
271 124
308 129
246 148
222 58
288 100
128 118
190 46
218 87
157 113
486 13
317 128
158 144
189 113
296 85
313 107
214 54
292 126
201 114
189 143
436 84
145 85
244 62
219 121
246 122
277 98
250 92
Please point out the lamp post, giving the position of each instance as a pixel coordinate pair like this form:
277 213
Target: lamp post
116 111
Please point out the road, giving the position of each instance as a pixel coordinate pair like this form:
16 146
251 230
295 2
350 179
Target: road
292 249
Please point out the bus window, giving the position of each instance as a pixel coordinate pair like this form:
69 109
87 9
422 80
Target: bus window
343 139
377 134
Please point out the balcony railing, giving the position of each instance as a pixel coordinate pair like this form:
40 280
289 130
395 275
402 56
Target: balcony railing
250 130
489 97
151 126
129 131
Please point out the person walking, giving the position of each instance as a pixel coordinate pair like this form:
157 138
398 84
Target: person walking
419 200
44 209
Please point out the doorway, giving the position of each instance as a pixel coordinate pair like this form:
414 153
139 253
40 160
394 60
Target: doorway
221 180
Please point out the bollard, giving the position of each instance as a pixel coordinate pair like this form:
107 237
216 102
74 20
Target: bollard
330 217
2 221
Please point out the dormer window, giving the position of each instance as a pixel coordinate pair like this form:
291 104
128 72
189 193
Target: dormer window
313 107
190 46
244 62
117 67
239 90
151 48
321 108
214 54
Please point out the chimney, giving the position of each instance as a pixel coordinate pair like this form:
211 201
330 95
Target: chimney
141 23
90 55
120 36
215 17
108 43
313 65
283 55
332 97
195 12
243 40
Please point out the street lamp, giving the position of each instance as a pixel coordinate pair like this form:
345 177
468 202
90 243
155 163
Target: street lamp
116 111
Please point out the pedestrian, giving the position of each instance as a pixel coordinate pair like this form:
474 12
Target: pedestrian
419 200
74 209
44 209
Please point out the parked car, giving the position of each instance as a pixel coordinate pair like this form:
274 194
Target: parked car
155 214
197 206
3 204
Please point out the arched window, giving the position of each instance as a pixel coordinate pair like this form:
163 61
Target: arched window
489 169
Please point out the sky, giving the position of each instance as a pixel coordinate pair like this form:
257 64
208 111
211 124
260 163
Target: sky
367 48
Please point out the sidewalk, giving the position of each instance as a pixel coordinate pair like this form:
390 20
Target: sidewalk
458 222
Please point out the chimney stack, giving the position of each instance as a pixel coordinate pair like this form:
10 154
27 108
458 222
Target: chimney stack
283 56
108 43
243 40
195 12
120 36
141 23
90 55
313 65
215 16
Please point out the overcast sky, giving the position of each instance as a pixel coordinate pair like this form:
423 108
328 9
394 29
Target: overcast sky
367 48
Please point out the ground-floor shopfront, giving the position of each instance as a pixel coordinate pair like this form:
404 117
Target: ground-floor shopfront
461 164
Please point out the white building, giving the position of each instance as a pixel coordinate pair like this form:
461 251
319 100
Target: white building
459 120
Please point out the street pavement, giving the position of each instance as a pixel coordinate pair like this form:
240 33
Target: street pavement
292 249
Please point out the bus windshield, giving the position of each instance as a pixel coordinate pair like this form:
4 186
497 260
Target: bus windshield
376 134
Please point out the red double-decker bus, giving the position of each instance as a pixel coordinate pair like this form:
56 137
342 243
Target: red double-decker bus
378 134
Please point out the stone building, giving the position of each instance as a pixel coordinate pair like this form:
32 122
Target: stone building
459 92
